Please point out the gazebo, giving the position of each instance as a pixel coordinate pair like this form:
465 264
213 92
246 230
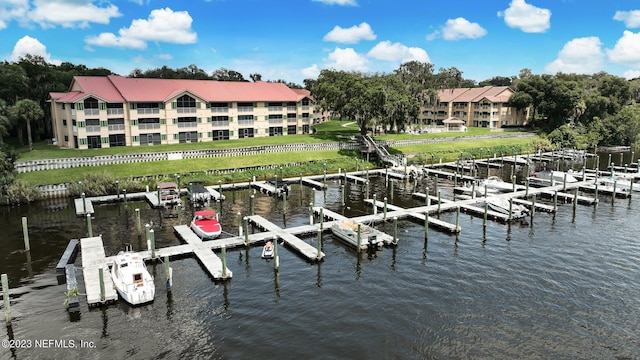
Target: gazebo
454 124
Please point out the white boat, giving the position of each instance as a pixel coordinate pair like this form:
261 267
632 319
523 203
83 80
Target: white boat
347 230
620 183
501 205
546 178
495 184
205 224
267 250
132 279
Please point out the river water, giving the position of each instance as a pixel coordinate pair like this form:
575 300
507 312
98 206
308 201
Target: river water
561 286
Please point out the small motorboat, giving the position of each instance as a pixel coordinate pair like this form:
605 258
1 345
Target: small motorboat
199 194
546 178
347 230
501 205
621 184
495 184
131 278
205 224
267 250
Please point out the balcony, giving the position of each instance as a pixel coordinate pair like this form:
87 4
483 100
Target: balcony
115 111
93 128
245 122
220 123
189 124
186 110
245 108
291 108
292 121
305 120
275 108
148 111
220 109
116 127
148 126
90 112
275 121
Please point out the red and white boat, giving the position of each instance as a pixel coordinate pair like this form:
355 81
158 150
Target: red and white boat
206 225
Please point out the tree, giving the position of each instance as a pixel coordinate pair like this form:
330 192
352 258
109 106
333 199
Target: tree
5 123
255 77
28 111
223 74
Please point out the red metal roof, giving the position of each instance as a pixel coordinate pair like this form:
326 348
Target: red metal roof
115 88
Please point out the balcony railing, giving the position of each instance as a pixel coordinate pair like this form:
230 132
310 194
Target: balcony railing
291 108
220 123
116 127
305 120
88 112
275 121
275 108
219 109
245 108
148 126
186 110
93 128
189 124
115 111
245 122
148 111
305 107
292 120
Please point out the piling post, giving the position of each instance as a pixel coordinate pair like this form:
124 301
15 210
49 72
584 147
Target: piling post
118 190
319 251
276 258
324 177
375 206
613 196
633 153
246 231
81 186
300 179
510 208
513 182
7 302
426 196
473 189
147 229
167 273
359 237
310 214
223 255
395 230
342 194
220 188
152 236
124 195
457 218
555 200
89 227
158 193
101 277
385 208
596 191
455 180
313 197
564 182
426 224
218 206
621 158
391 187
533 206
138 224
526 188
486 209
84 204
366 189
25 234
321 219
284 201
575 199
439 201
251 204
239 223
609 161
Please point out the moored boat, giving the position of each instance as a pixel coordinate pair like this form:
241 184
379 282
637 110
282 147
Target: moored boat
501 205
347 230
205 224
546 178
495 184
131 278
169 194
267 250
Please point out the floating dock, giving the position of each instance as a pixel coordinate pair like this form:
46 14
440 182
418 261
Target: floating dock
94 263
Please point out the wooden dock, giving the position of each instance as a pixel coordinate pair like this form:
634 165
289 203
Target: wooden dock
335 217
314 184
83 210
210 261
394 211
215 194
307 250
94 259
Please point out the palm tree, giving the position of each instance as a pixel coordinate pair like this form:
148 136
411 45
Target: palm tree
28 111
5 123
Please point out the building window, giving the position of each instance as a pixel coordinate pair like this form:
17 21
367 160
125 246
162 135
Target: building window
219 121
148 124
148 108
117 140
94 142
149 139
116 124
291 130
64 122
93 125
188 137
186 104
219 107
275 131
245 106
187 122
91 106
115 109
221 135
245 133
245 119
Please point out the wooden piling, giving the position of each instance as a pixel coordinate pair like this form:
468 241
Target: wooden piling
168 273
101 277
395 230
385 209
84 204
246 231
310 214
486 210
359 238
25 234
239 223
276 258
223 255
89 227
152 238
138 223
375 208
251 204
319 244
7 302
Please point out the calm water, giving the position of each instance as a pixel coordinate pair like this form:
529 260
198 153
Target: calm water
560 287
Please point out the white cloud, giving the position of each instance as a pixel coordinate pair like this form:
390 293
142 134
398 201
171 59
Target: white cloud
28 45
631 74
311 72
631 19
12 10
385 50
352 35
526 17
459 28
627 50
71 13
338 2
580 56
347 60
163 25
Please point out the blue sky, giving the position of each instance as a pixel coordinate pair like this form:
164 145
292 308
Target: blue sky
295 39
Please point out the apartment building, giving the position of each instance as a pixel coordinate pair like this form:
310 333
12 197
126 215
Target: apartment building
100 112
477 107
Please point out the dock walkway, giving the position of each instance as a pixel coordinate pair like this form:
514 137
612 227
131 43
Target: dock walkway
94 260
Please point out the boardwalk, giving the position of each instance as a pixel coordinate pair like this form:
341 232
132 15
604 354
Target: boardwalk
94 260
